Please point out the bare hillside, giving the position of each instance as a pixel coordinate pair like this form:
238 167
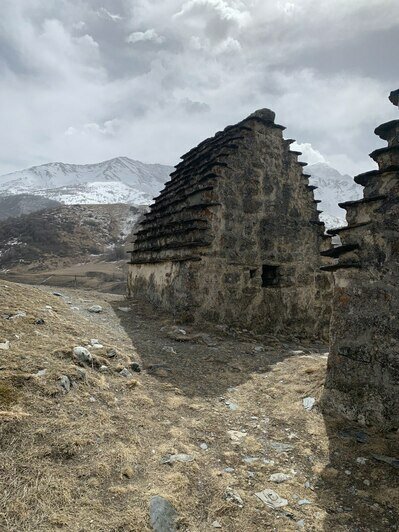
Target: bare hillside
215 423
66 234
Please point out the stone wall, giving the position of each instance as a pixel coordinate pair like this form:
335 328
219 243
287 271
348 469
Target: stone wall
235 236
363 369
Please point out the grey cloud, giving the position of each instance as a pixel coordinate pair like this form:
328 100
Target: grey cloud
191 67
149 35
372 54
195 107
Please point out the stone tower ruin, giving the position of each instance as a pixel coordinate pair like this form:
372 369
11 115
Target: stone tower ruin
363 369
235 236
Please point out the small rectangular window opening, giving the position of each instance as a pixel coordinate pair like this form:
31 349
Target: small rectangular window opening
269 275
252 273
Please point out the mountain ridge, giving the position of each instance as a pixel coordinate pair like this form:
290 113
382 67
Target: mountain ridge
333 188
146 179
125 180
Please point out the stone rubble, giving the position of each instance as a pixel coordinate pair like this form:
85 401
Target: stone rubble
271 499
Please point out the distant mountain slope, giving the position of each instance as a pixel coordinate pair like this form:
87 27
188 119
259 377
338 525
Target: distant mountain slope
66 233
123 180
131 180
333 188
98 192
12 206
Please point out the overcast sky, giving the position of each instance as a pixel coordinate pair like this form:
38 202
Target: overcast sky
86 80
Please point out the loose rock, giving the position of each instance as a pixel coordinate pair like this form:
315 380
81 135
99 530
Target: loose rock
19 314
304 502
278 478
231 405
281 447
171 458
163 516
65 383
125 373
81 373
135 367
233 496
236 436
250 459
82 355
271 499
96 309
5 345
308 403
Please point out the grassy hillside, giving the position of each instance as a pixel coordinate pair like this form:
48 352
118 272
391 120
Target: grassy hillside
214 418
67 233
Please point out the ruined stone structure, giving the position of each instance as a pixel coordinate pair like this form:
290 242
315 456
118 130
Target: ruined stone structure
363 368
235 236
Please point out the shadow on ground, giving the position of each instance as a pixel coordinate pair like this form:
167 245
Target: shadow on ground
348 486
359 488
208 364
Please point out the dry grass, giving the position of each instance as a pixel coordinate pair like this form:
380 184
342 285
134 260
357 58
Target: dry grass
90 459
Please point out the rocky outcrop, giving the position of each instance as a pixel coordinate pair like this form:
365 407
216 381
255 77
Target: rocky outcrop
235 235
363 370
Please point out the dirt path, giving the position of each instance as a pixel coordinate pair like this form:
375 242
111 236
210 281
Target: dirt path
232 404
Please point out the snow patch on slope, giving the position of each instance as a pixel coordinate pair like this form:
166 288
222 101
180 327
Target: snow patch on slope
333 188
100 192
114 181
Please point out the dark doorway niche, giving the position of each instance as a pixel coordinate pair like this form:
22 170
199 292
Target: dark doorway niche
270 275
252 273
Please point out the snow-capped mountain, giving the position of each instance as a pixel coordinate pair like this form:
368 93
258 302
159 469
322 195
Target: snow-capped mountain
333 188
114 181
123 180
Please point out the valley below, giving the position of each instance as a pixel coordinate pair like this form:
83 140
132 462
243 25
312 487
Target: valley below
70 245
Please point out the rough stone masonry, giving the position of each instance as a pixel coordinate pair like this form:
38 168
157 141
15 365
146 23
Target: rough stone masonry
235 236
363 368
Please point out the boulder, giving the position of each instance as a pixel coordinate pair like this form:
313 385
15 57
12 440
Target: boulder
163 516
